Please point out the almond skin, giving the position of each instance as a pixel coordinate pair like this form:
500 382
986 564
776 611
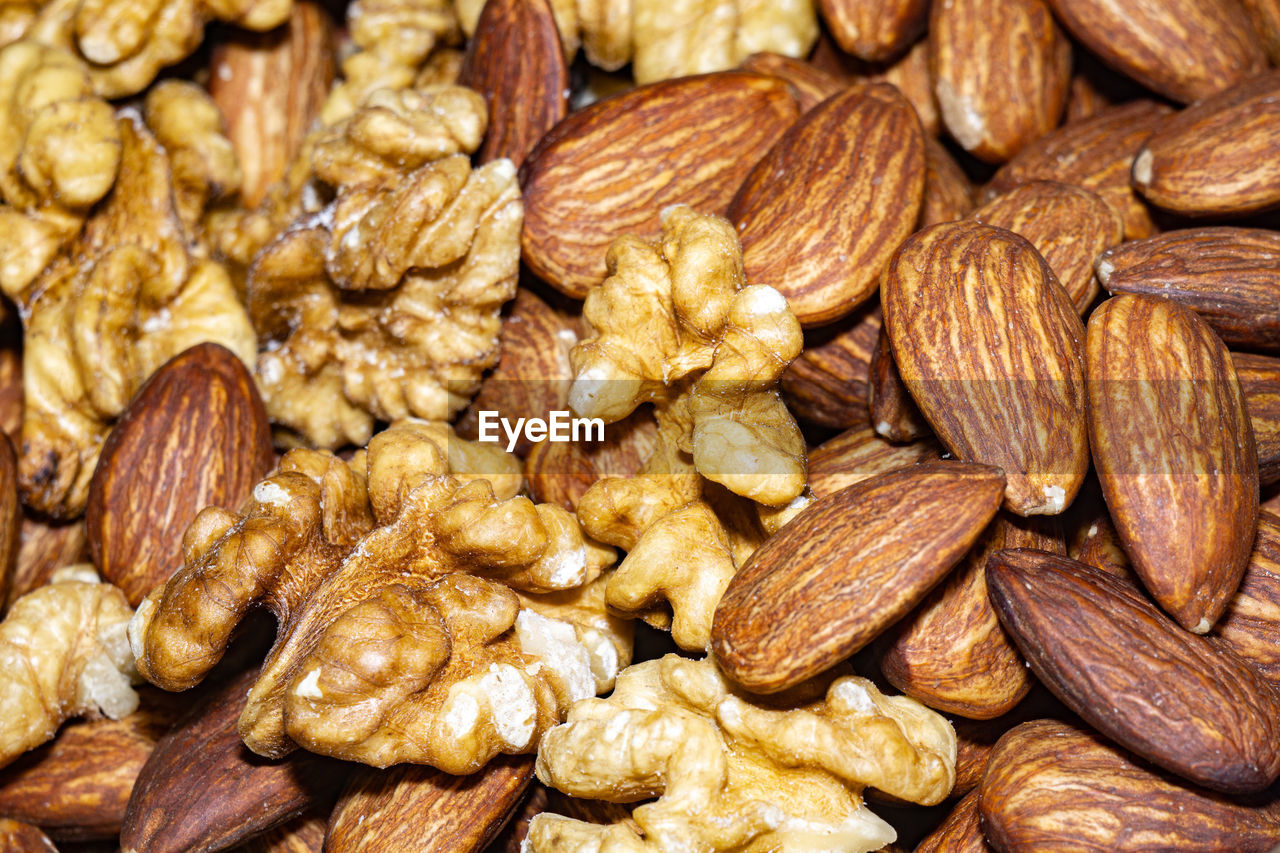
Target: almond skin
959 832
859 453
411 807
516 61
893 412
1265 15
1251 623
1001 73
45 546
991 349
1055 787
948 192
1183 49
877 30
812 85
1174 451
1229 276
820 214
1096 154
827 384
18 837
561 472
611 168
1172 697
10 515
1220 157
195 435
846 568
1068 225
1259 377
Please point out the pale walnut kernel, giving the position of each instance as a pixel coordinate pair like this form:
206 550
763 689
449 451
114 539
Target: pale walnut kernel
735 772
189 125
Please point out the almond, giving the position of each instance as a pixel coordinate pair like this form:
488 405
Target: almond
950 652
820 214
1265 15
1183 49
876 30
812 85
1068 225
1095 541
45 546
18 837
10 514
270 88
991 349
1172 697
959 832
1174 452
195 435
1251 623
11 376
893 412
859 453
1229 276
827 384
516 61
804 602
948 192
1057 787
411 807
561 472
1220 157
1096 154
912 76
975 739
611 168
1001 71
1259 378
301 835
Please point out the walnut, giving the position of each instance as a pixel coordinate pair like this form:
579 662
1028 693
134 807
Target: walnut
124 297
387 303
189 125
63 654
394 578
735 772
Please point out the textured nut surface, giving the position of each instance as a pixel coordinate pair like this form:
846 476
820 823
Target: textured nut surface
959 832
859 453
1259 377
10 517
894 414
44 547
874 31
948 192
24 838
827 383
1249 624
812 84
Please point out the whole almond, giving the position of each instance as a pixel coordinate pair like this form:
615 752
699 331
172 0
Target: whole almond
804 602
959 832
1001 72
948 192
877 30
1068 225
893 413
1251 623
1055 787
859 453
976 739
1174 452
270 88
1218 157
950 652
195 435
44 547
812 84
16 837
1229 276
991 349
1172 697
820 214
1265 15
1183 49
10 515
827 384
411 807
1095 541
611 168
1259 377
1096 154
516 61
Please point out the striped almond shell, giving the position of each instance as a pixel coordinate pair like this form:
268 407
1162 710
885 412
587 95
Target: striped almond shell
874 30
1251 623
1265 15
991 349
1259 377
1174 451
893 413
827 384
948 192
859 453
812 84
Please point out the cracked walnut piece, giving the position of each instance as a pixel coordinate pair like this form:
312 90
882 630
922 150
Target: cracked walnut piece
735 772
122 299
386 304
63 654
402 637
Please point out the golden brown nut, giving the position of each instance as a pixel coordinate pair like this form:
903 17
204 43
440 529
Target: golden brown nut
401 638
191 129
63 654
734 772
123 298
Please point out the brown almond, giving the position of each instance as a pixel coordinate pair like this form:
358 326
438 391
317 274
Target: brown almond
1174 452
516 61
1053 787
827 384
1172 697
16 837
1259 377
893 413
202 790
412 807
911 76
959 832
1251 623
948 192
991 349
195 435
1095 541
561 472
1265 16
820 214
1229 276
847 567
1183 49
10 515
301 835
1220 157
950 652
611 168
877 30
11 375
1096 154
975 739
270 88
1068 225
44 547
812 84
859 453
1001 72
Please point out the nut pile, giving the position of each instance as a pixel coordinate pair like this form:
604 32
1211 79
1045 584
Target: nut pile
922 491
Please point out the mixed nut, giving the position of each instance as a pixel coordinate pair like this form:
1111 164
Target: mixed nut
927 355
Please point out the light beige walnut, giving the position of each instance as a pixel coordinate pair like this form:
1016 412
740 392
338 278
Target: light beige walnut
735 772
394 578
63 653
192 131
386 304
